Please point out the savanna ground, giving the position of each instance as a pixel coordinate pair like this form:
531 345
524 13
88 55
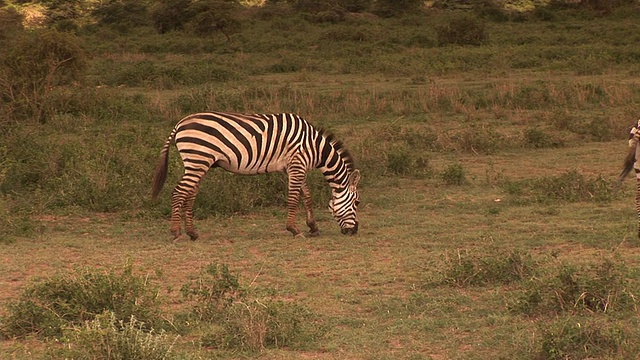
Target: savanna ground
491 224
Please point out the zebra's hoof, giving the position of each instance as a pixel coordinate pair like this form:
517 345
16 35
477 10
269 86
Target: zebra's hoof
193 235
314 233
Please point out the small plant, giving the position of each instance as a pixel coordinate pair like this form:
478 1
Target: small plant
214 291
254 325
579 338
599 288
454 175
244 323
399 162
540 139
462 30
468 270
106 337
47 307
570 187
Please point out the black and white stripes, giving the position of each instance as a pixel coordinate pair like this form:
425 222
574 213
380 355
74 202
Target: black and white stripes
257 144
631 163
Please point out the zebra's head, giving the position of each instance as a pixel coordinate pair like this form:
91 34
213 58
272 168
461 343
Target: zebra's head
344 205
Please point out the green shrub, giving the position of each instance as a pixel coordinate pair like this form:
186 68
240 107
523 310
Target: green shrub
253 325
122 14
213 291
51 305
454 174
32 66
242 322
501 268
540 139
602 288
570 187
462 30
108 338
582 338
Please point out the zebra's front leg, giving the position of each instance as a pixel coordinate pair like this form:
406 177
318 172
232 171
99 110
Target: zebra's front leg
311 221
296 181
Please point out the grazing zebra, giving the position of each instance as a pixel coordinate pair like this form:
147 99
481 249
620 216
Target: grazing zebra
631 162
257 144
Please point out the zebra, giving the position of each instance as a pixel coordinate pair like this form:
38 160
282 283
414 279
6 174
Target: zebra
631 162
249 144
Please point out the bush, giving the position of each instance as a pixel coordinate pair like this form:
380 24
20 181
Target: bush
32 66
540 139
471 270
581 338
253 325
169 15
213 291
462 30
245 323
570 187
454 175
48 307
107 337
122 14
602 288
393 8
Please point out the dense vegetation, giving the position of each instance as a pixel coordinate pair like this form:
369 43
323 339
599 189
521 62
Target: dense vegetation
426 95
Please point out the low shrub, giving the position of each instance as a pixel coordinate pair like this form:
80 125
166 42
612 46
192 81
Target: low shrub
49 306
253 325
243 322
107 337
462 30
454 174
568 187
582 338
213 291
596 288
483 269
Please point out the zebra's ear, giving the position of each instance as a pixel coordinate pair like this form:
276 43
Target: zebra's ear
354 179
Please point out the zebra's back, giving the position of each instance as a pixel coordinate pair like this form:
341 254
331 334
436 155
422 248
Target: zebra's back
239 143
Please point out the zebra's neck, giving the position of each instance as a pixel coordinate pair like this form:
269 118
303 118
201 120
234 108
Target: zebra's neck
335 163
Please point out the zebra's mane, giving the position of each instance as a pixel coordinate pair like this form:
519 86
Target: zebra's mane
340 148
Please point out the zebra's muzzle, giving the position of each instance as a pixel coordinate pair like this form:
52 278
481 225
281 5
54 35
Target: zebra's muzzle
350 231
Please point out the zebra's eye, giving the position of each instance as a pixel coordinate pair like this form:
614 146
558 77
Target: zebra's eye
357 202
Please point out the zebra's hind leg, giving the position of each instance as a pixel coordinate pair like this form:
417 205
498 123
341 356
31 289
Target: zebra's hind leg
177 200
188 214
311 221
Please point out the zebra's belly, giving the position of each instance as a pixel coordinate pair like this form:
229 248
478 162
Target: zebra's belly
252 169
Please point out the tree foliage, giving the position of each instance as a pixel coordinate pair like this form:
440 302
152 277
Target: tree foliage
33 64
123 13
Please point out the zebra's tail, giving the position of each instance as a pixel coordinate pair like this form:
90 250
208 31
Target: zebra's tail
629 160
162 167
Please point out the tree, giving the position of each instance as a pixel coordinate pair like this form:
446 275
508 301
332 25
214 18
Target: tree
123 13
32 65
392 8
169 15
210 16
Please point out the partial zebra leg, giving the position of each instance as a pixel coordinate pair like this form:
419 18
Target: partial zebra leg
182 198
311 222
188 214
297 177
638 199
177 200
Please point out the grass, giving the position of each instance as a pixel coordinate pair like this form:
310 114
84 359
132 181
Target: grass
485 170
